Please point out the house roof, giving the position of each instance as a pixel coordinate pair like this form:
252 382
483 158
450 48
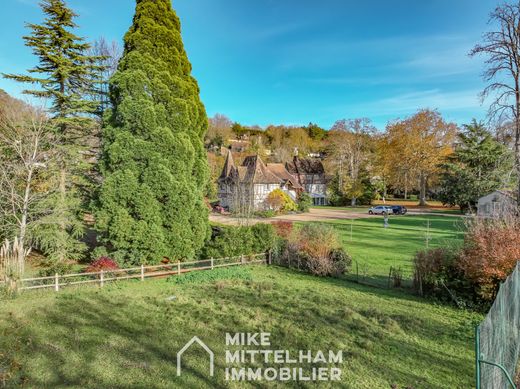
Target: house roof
254 170
229 165
502 192
305 166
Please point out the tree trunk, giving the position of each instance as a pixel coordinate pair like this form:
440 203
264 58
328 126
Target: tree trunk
405 186
353 201
422 195
62 208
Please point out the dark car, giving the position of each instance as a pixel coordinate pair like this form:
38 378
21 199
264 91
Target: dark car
399 209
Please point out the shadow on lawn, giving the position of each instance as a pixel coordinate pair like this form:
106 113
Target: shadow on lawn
92 342
111 340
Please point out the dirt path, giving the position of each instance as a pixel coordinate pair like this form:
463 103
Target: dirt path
315 214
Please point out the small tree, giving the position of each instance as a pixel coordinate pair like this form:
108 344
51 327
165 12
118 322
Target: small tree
27 157
304 202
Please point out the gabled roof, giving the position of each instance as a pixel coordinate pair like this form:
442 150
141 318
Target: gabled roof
305 166
255 171
229 165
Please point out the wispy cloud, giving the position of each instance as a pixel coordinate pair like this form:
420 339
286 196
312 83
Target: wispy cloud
404 104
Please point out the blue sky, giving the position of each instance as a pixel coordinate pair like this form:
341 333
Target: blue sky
295 61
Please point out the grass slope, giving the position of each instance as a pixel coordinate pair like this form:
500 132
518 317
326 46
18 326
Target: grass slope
127 335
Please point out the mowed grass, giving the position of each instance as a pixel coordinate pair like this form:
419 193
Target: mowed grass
376 249
126 335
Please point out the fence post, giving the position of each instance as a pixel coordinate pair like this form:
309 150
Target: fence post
477 357
212 266
102 278
178 268
242 259
142 272
56 282
269 257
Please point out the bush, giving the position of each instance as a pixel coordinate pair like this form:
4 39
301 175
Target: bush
341 260
103 263
268 213
304 202
280 202
471 275
231 241
314 248
50 268
283 228
430 268
490 253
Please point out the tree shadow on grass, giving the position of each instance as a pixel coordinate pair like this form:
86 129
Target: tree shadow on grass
116 339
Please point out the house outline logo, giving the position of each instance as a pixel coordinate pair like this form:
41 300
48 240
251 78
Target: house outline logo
196 339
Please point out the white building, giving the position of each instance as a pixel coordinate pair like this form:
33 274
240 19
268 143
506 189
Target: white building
496 204
246 187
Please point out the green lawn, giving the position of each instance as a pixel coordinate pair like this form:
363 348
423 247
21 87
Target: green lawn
376 249
127 334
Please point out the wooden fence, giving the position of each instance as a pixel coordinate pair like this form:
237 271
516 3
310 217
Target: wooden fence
59 281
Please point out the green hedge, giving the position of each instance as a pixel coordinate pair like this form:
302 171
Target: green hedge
230 241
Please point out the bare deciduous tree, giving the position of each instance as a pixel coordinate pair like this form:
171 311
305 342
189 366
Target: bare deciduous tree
109 55
26 149
502 49
349 148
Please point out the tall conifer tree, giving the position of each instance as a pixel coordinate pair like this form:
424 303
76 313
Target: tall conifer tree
155 169
65 76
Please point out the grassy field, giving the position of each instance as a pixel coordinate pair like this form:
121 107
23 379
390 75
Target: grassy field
127 334
376 248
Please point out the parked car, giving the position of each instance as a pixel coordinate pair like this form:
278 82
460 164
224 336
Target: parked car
380 210
399 209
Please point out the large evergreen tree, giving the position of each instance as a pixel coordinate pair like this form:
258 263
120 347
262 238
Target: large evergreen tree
65 76
478 166
151 202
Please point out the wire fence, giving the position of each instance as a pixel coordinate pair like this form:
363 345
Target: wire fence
497 338
58 281
395 276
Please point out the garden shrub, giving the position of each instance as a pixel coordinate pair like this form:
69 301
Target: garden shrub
230 241
103 263
471 275
314 248
490 253
304 202
283 228
280 202
267 213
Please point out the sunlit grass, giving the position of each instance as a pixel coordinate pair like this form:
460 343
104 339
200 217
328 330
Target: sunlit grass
128 334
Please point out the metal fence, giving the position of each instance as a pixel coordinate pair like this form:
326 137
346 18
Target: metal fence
497 338
395 276
58 281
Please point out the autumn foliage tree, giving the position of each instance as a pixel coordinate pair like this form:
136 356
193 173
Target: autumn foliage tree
417 146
